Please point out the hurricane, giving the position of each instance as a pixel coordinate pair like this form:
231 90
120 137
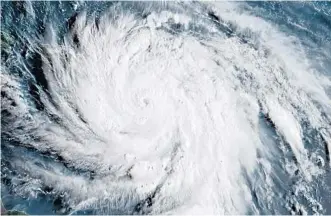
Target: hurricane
166 107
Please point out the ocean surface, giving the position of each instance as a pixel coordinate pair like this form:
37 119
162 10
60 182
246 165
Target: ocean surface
166 107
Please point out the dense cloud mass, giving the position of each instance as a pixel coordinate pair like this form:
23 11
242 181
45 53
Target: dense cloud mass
166 107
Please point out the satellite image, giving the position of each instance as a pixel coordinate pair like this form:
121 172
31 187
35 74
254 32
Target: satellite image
165 107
